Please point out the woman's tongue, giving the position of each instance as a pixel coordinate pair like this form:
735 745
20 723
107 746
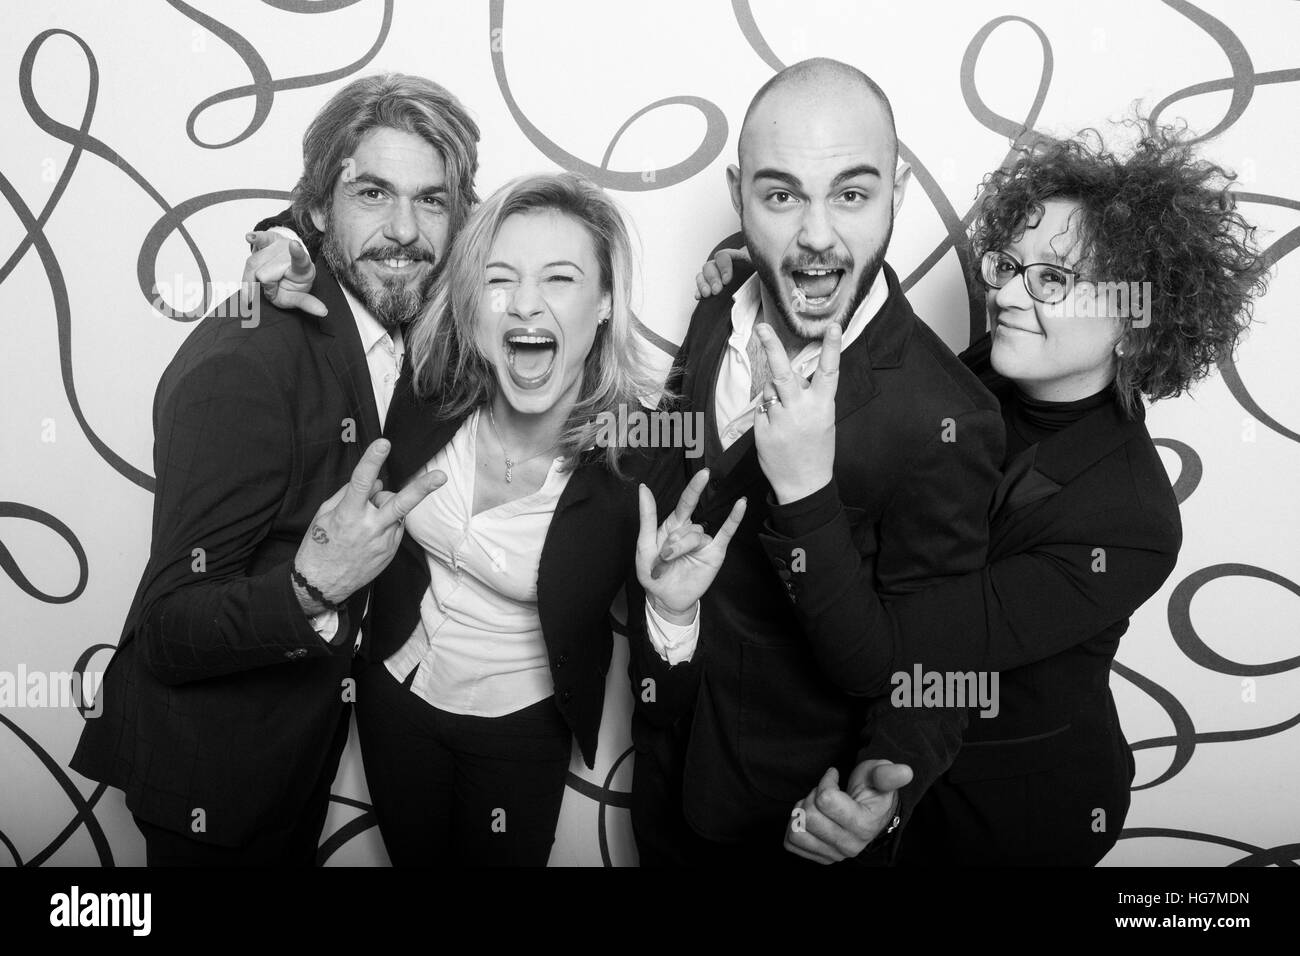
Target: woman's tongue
531 361
817 286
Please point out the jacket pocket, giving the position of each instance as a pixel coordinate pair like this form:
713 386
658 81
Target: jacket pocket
1014 757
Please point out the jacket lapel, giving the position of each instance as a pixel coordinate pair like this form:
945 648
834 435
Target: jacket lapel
345 355
1042 470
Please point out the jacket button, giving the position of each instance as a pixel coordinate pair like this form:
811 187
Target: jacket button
566 697
560 661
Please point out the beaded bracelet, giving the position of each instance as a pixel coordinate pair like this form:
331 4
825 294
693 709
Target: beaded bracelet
313 592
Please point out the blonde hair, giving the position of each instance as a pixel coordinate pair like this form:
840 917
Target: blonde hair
451 367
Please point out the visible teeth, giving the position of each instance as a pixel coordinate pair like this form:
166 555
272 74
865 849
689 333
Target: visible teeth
397 263
817 272
530 340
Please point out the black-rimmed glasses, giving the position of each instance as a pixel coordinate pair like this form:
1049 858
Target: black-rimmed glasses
1044 281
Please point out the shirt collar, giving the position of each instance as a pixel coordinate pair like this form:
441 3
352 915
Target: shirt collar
748 300
370 328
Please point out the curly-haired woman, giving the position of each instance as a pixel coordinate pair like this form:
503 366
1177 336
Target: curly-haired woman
1108 278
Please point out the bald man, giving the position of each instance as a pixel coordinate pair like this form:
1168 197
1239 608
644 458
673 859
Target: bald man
868 453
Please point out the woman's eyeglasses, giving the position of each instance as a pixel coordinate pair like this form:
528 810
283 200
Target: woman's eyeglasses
1044 281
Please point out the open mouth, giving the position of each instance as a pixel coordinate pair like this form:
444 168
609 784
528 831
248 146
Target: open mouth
815 289
398 264
530 356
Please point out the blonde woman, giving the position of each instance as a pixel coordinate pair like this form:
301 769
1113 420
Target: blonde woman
488 638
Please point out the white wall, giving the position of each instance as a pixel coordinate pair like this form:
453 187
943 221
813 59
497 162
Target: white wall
1218 772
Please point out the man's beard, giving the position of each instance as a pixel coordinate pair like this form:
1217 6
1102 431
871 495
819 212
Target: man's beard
768 275
393 302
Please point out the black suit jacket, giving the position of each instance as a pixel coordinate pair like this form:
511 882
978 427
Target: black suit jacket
587 558
769 719
1084 529
220 696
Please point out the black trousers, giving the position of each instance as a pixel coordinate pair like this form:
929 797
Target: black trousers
454 790
664 837
292 844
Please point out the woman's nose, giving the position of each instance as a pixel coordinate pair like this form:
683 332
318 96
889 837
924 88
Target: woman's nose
1014 295
527 300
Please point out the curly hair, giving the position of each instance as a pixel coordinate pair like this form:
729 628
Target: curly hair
1157 216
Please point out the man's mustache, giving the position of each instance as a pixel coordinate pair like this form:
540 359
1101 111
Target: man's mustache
398 252
804 265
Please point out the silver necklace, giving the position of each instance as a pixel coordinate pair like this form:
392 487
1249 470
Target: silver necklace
505 453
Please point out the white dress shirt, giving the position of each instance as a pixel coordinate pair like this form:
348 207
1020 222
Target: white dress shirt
479 647
735 408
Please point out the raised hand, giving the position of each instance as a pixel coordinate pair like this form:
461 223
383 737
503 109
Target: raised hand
717 272
284 270
676 561
356 532
830 825
794 431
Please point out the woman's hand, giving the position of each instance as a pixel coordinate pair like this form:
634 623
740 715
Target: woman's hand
677 562
717 271
285 272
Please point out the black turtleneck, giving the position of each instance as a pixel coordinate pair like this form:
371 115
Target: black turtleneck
1029 420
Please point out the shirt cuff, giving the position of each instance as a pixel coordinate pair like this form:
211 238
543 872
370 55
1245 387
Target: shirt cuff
675 643
326 625
807 514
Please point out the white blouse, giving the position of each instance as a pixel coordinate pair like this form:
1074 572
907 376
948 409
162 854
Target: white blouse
479 645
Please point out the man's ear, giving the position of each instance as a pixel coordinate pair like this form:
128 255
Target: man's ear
318 218
902 176
733 186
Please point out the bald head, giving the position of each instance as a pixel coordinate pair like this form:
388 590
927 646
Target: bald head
812 92
817 188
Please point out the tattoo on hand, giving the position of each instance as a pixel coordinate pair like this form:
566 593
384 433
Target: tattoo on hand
319 536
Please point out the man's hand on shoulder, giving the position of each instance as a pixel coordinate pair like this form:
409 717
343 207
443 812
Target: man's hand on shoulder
284 270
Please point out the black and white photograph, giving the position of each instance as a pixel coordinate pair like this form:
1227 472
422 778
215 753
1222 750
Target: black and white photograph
837 444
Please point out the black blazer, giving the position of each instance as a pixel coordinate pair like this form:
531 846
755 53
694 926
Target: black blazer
1084 529
768 718
220 696
587 558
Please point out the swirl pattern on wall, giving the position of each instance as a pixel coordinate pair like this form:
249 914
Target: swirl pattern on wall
261 89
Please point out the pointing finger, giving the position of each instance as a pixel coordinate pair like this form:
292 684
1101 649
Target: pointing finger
647 533
783 378
728 529
259 240
417 489
364 476
299 261
828 366
690 496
